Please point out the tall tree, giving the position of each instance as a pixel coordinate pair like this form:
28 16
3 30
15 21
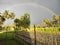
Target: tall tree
12 15
59 20
24 21
47 22
54 22
5 15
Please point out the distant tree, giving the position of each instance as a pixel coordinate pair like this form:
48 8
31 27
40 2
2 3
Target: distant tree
2 19
59 21
12 15
47 22
24 21
17 23
54 22
5 15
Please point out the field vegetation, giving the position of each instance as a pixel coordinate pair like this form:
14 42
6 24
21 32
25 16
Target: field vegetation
21 30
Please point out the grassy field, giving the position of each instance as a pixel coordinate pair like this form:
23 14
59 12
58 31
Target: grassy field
7 38
6 35
9 42
44 36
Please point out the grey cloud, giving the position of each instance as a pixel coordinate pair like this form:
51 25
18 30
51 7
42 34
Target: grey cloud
53 5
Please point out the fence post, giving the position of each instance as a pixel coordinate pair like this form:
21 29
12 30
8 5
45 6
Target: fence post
59 20
34 35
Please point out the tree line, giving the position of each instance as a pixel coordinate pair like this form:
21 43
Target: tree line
23 21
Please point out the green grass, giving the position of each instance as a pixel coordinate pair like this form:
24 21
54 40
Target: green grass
47 30
6 38
10 34
6 35
9 42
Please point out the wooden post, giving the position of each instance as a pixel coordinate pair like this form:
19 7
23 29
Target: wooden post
59 20
34 35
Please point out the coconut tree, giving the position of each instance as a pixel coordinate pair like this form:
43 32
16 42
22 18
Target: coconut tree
59 20
47 22
2 19
17 23
54 22
12 15
27 16
6 15
21 18
24 21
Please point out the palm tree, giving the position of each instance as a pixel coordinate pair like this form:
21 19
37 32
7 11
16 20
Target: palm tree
6 14
54 17
59 21
17 23
12 15
53 23
47 22
26 21
2 19
27 16
21 18
55 20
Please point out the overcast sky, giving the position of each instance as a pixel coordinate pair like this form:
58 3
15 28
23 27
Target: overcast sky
38 9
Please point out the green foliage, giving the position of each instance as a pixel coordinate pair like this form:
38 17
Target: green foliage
0 28
48 22
6 15
55 22
17 22
2 19
24 21
59 20
12 15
